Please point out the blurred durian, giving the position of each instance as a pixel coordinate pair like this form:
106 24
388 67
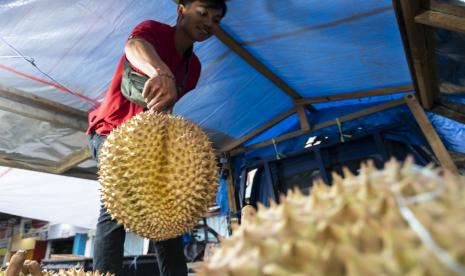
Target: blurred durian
354 227
157 175
19 266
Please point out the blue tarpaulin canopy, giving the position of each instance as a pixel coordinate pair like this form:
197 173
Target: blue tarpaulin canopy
67 51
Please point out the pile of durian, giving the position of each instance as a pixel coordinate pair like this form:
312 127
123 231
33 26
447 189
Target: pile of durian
402 220
69 272
157 175
19 266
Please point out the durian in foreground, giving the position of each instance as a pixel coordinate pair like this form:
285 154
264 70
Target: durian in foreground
376 223
157 175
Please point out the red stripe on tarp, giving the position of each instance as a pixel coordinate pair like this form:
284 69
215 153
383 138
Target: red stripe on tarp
57 86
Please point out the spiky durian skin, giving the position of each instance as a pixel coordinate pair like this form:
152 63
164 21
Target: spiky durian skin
157 175
351 228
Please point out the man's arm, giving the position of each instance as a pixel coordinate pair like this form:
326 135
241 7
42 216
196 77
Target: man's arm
160 89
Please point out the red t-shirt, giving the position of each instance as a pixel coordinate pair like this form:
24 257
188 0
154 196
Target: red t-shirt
115 108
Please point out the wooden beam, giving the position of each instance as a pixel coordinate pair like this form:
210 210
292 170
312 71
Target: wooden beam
405 42
303 119
451 110
255 63
361 113
430 134
358 94
449 113
72 160
455 106
15 101
342 119
446 8
441 20
259 130
421 48
232 44
31 99
18 164
230 187
58 167
301 102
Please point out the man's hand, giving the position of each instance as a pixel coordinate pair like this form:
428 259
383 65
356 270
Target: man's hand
160 92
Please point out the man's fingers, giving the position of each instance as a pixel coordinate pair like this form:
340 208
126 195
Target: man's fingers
157 97
146 91
157 104
152 91
162 105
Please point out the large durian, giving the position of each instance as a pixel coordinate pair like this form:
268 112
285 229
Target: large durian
157 175
403 220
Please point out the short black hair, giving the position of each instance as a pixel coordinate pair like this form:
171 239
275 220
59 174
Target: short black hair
213 4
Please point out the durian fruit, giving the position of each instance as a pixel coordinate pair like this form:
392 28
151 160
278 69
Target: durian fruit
247 214
157 175
19 266
354 227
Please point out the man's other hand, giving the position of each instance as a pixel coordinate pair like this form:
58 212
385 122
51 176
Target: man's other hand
160 92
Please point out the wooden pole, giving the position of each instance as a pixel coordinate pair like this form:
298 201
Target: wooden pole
230 187
27 105
442 6
302 102
441 20
72 160
60 167
358 94
430 134
421 47
304 124
256 132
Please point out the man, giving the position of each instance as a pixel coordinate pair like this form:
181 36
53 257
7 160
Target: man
163 55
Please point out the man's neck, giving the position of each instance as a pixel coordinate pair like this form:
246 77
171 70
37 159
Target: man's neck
181 41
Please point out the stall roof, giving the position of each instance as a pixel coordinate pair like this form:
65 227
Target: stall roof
270 59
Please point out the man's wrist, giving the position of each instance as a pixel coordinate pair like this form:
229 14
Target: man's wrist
165 75
158 72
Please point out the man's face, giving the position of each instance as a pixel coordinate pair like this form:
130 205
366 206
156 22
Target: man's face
198 20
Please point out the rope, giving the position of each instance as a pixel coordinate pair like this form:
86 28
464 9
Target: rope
339 127
341 134
31 61
277 153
